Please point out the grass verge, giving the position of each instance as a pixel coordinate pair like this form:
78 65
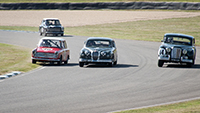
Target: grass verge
15 58
80 1
147 30
183 107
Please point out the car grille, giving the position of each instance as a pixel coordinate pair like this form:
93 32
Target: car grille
54 29
45 55
95 55
176 53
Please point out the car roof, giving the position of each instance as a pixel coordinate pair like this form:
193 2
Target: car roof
50 19
179 35
99 38
53 38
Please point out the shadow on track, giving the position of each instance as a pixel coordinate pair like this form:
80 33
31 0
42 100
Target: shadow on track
62 65
89 66
195 66
115 66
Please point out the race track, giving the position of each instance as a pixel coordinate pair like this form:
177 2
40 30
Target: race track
135 82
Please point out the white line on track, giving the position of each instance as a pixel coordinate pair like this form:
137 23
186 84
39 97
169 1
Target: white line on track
24 74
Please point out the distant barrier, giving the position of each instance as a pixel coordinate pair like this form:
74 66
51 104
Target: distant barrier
102 5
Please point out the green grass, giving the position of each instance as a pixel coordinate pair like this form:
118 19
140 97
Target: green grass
19 28
79 1
148 30
183 107
15 58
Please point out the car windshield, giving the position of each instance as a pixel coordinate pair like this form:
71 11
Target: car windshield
177 40
52 22
50 43
98 43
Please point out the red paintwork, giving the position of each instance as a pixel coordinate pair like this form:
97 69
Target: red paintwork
58 53
47 49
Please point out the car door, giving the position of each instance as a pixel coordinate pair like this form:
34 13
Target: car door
114 50
65 50
41 28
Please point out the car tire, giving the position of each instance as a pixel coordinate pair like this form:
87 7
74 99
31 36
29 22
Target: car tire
66 62
111 64
34 61
190 64
115 63
60 61
160 63
81 64
62 34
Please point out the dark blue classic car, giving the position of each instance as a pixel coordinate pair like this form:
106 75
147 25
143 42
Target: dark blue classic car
98 50
51 26
177 48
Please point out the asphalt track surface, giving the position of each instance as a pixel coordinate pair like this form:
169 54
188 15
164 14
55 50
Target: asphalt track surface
135 82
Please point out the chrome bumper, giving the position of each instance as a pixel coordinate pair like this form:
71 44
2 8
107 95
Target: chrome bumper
95 61
45 59
186 60
54 32
167 58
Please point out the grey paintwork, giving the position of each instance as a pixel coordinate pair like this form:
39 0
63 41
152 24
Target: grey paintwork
49 28
87 53
183 52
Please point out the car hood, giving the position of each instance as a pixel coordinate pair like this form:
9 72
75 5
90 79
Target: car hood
99 49
173 45
54 26
47 49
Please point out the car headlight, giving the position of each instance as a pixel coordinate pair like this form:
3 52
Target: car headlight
56 54
103 53
184 51
87 52
62 28
34 52
161 51
168 50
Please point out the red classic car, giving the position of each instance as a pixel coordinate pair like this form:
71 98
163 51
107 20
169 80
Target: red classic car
51 49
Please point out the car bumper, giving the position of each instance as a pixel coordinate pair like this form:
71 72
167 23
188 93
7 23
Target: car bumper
46 59
57 32
95 61
168 59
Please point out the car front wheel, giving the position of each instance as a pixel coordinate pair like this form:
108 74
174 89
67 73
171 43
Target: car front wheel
66 62
190 64
115 63
33 61
60 61
81 64
111 64
160 63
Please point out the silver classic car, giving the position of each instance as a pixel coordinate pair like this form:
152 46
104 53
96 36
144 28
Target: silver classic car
177 48
51 26
98 50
